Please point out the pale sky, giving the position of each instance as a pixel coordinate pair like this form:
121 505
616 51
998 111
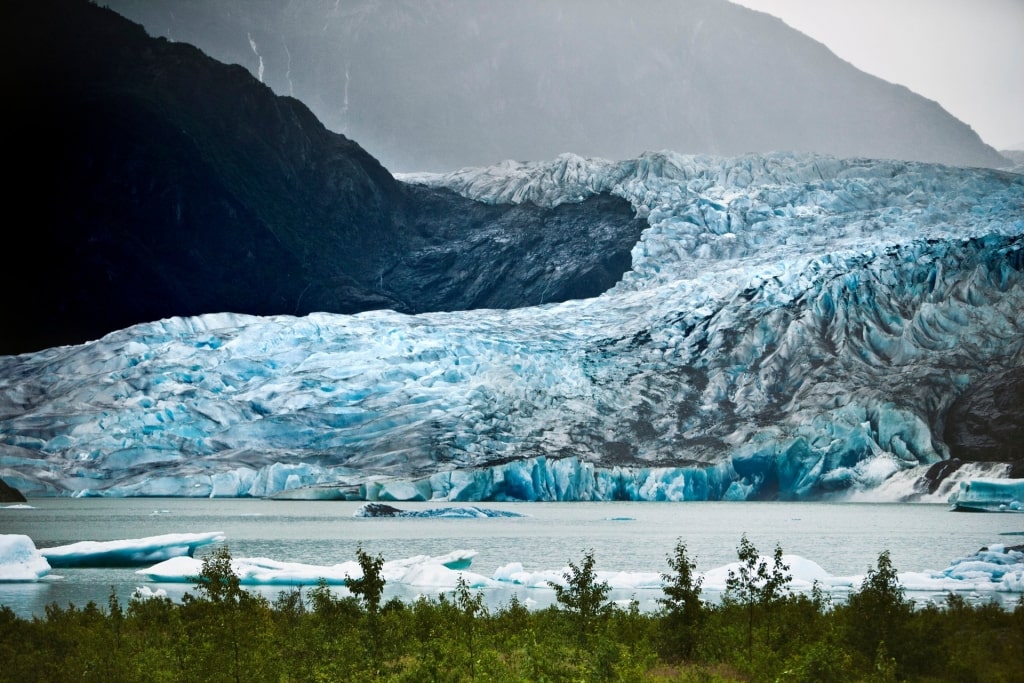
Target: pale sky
967 55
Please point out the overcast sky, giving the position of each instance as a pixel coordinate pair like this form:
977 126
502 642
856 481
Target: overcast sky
968 55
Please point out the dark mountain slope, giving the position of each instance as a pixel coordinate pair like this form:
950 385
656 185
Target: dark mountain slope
431 85
154 181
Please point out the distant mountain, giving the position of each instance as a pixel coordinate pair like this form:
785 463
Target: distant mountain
154 181
430 85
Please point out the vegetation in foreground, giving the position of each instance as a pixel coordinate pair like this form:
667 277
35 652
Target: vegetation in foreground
759 632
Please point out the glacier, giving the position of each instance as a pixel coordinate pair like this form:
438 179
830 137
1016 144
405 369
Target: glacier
793 326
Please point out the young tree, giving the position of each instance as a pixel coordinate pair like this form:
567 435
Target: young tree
217 580
370 586
470 605
754 586
583 595
685 612
877 613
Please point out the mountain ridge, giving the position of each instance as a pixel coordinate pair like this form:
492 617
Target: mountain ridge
452 83
178 185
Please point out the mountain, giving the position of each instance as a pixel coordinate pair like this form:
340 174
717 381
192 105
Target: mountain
172 184
435 85
792 326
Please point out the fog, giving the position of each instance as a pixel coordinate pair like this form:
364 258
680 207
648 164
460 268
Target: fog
441 84
968 55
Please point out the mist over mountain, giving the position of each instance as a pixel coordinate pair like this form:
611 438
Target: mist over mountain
173 184
440 84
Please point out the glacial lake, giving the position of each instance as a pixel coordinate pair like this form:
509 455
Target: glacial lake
844 538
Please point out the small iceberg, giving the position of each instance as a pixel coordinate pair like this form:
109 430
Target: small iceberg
989 495
441 571
20 561
458 512
132 552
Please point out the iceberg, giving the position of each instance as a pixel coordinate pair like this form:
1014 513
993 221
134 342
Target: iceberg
995 569
792 327
128 552
421 570
461 512
989 495
20 561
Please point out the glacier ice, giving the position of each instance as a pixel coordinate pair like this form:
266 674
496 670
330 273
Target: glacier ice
20 561
989 495
793 326
130 551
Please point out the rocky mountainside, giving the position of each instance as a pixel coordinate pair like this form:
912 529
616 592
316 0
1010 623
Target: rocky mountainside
432 85
178 185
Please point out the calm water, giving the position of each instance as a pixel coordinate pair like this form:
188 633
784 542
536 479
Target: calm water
845 539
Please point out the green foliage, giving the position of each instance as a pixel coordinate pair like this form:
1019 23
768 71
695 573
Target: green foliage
877 612
224 633
685 612
369 586
583 596
756 589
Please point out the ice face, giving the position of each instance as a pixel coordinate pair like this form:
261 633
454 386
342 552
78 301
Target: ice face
128 552
793 326
19 559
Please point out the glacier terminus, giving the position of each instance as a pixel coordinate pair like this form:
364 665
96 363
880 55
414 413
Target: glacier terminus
793 327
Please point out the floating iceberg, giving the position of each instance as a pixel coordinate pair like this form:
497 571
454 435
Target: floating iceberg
20 561
793 327
421 570
995 569
461 512
130 552
989 495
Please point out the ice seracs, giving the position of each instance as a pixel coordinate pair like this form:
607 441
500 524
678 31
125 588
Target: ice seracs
793 327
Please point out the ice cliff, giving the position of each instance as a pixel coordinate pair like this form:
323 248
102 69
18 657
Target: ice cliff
793 326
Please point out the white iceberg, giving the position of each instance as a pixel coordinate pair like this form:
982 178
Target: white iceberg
441 571
131 552
20 560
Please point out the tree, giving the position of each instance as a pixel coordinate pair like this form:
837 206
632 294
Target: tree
754 586
470 606
583 595
217 580
877 613
370 586
685 612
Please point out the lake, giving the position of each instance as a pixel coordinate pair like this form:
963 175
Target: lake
844 538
